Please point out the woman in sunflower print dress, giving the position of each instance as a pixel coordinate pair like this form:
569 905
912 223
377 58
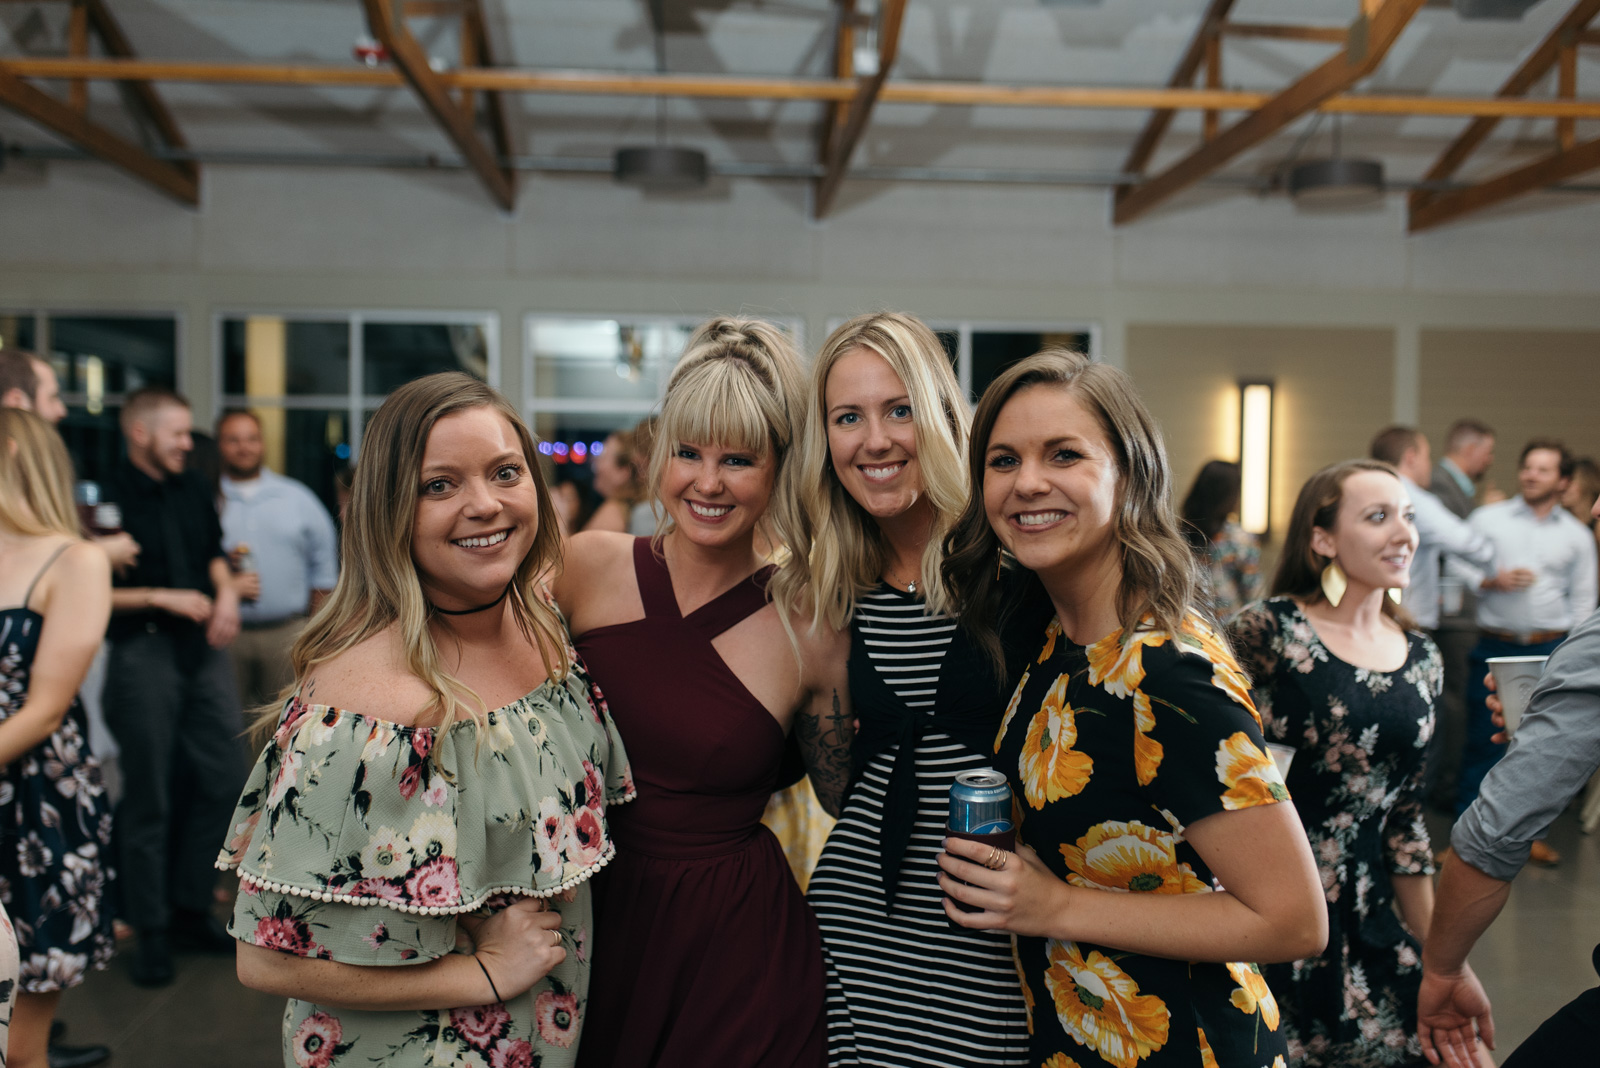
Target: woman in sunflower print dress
1134 753
414 867
1339 678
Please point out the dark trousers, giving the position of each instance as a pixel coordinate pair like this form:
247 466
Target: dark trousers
171 703
1443 768
1570 1037
1479 754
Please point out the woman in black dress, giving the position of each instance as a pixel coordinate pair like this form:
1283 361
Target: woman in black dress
1339 678
1135 757
55 819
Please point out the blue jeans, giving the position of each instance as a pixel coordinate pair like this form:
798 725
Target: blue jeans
1478 753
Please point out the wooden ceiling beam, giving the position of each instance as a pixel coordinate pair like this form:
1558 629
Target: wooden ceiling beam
963 94
1370 38
72 125
475 29
144 94
1552 169
388 27
1282 32
1155 127
842 145
1538 63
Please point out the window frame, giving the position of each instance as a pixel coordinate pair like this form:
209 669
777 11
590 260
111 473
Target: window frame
42 336
965 328
354 402
534 405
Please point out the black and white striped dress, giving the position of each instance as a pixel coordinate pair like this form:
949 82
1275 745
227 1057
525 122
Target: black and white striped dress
903 988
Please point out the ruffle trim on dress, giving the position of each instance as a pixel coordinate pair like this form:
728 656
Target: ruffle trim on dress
477 902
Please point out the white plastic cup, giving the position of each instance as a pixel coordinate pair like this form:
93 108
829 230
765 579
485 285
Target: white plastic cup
1283 756
1452 591
1514 680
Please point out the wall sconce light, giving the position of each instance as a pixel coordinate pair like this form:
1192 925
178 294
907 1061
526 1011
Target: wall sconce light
1255 456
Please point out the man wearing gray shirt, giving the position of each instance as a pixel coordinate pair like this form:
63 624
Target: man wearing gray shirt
1547 586
278 528
1555 751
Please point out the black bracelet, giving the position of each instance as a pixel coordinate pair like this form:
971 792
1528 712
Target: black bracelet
486 975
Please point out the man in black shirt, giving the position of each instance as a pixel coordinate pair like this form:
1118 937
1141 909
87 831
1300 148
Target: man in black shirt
170 697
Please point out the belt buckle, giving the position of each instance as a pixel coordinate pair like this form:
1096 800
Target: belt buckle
1524 637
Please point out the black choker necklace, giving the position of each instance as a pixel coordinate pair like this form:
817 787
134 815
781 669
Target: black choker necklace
470 611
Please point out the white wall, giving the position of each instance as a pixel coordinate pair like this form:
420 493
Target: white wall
79 235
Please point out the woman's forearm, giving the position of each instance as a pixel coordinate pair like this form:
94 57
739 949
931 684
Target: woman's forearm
1201 927
1414 895
453 981
34 722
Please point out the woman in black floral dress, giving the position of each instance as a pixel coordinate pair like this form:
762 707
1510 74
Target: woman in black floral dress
55 819
1135 758
1339 679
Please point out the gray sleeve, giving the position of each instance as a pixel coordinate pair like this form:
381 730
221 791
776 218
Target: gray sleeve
1551 757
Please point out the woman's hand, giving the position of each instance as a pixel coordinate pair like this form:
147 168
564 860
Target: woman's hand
519 945
1023 897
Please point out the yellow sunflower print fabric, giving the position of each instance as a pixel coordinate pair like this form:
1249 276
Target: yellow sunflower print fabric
1113 749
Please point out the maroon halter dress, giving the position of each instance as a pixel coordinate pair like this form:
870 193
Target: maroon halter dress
705 952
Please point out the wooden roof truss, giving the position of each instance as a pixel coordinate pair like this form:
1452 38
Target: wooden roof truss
469 106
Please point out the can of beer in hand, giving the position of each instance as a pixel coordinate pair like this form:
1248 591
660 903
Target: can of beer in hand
980 804
980 810
244 561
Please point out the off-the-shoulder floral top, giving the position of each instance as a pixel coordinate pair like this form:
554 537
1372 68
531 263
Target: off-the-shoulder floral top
1361 740
1112 751
361 841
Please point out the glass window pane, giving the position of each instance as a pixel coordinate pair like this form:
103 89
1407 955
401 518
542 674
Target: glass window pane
603 359
99 355
395 353
951 340
17 330
268 356
99 359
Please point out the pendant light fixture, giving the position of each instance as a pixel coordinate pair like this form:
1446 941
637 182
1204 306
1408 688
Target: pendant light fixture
661 167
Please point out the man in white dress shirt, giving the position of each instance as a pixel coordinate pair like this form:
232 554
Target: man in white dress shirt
1547 587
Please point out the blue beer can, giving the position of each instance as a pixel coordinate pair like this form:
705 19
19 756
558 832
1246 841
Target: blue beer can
980 803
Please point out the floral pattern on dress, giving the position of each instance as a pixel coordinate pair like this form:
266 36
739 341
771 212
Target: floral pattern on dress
1361 738
1234 560
1111 750
56 819
362 841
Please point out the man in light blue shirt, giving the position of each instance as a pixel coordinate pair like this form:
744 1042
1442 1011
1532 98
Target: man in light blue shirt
278 528
1546 586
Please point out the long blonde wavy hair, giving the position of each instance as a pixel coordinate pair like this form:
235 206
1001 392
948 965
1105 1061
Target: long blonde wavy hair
378 584
35 477
738 384
839 550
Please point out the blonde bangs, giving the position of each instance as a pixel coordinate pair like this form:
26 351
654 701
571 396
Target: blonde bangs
717 402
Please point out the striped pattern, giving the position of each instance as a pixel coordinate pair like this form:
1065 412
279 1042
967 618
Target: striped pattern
904 989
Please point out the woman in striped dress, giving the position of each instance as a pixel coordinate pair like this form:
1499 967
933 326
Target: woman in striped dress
881 480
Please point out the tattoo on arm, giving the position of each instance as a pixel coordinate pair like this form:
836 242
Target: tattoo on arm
825 741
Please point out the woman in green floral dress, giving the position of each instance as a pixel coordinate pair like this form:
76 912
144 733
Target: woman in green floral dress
1135 757
415 842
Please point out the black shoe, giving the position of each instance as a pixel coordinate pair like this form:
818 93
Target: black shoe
200 932
77 1056
152 959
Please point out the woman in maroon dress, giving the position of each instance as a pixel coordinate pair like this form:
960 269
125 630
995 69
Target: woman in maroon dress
705 951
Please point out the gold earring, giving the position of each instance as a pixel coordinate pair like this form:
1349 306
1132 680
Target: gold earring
1333 583
1394 594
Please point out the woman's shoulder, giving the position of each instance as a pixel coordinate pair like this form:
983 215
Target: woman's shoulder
70 566
370 678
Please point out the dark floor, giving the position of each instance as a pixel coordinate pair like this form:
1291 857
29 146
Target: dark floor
1534 959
